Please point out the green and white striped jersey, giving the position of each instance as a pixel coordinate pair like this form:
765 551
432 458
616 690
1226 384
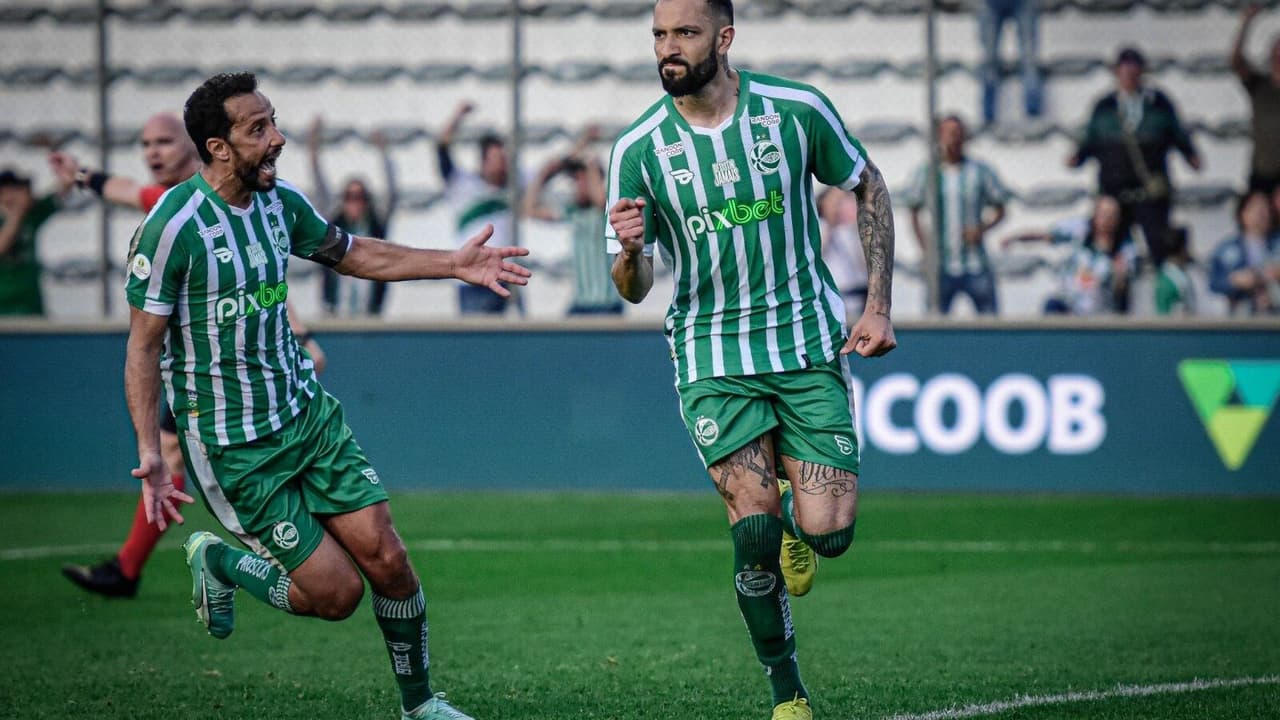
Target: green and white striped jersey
232 370
734 207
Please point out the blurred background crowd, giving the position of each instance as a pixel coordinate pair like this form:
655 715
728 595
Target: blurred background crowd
1093 157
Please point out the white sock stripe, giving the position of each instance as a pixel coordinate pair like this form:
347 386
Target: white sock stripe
406 609
279 594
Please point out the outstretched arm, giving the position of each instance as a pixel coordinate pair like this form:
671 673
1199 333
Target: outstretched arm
474 262
115 189
873 334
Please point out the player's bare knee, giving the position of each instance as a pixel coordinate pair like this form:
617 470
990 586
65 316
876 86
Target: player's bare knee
340 600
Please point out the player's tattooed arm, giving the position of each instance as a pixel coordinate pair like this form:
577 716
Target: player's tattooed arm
875 228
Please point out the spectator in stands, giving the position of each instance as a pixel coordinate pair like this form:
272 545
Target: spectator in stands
1131 132
842 249
1264 100
1175 293
1246 265
1095 279
21 216
477 199
972 202
359 213
593 290
992 16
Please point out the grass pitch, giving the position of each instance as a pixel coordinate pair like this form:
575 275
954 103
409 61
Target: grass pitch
558 606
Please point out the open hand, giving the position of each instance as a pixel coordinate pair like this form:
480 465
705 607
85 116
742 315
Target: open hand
485 266
160 498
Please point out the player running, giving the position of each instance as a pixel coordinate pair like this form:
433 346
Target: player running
172 158
719 174
267 446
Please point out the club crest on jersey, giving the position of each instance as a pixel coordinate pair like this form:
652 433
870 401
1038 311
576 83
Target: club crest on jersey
726 172
682 176
666 151
765 157
257 256
280 240
224 254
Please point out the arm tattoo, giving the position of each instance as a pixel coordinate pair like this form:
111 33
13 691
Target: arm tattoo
818 479
746 461
875 228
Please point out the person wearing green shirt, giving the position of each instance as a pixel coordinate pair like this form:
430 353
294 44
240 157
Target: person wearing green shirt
719 174
21 217
269 449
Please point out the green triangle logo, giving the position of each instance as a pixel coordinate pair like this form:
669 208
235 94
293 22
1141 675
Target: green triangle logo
1233 428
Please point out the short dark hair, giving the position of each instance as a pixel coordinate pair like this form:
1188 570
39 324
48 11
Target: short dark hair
205 113
10 178
489 140
723 8
1131 55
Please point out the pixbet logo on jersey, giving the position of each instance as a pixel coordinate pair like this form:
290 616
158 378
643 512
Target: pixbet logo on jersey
733 214
229 309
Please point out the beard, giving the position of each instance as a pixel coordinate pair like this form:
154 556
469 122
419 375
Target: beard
251 174
695 77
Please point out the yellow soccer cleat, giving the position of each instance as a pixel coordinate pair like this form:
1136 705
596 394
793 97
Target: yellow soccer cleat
797 709
799 561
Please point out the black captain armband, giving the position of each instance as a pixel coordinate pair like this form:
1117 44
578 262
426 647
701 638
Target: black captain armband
334 247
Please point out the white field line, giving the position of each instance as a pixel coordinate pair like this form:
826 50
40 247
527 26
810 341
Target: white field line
1120 691
975 547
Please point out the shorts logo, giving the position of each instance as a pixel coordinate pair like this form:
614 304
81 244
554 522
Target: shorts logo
140 267
765 157
285 535
371 475
843 444
706 430
755 583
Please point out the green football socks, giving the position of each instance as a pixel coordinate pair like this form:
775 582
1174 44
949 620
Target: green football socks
256 575
404 627
762 598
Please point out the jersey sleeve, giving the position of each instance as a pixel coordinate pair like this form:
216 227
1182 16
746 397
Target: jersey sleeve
994 191
838 157
627 180
158 262
149 196
311 236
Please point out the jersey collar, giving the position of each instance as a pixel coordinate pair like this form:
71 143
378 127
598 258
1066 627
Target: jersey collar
743 83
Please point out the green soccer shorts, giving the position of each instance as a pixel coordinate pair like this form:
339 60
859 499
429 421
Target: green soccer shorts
807 411
268 492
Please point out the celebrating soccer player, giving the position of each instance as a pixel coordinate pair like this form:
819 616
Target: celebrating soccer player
267 446
719 173
171 157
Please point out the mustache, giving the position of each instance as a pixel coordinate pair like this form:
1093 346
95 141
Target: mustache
674 61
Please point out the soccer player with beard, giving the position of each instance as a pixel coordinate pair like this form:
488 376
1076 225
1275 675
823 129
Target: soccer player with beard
719 173
267 446
171 157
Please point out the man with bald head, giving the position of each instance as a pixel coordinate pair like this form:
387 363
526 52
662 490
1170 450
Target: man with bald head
167 151
171 157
